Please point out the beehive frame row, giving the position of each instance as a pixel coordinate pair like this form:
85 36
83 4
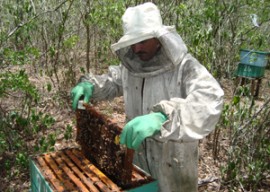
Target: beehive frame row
69 170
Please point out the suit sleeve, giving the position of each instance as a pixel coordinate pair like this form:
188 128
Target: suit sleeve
195 116
106 86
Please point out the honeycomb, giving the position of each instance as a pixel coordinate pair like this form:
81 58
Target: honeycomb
98 137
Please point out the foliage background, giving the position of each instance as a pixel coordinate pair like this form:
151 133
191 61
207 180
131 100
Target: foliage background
54 42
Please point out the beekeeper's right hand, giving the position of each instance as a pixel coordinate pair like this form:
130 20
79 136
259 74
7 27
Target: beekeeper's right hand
82 89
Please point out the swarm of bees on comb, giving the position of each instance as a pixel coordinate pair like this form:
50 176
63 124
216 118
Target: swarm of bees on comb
99 140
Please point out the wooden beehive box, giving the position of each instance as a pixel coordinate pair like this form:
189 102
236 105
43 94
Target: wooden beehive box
69 170
101 164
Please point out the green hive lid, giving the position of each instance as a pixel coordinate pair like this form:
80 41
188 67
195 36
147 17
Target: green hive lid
253 51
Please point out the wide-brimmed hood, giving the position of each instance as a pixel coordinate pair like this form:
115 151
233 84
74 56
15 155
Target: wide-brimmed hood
144 22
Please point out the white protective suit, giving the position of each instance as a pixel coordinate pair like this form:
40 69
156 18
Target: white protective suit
174 83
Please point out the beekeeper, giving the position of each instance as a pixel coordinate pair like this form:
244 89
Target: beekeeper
171 100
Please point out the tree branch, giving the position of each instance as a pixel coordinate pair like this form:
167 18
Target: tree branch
33 18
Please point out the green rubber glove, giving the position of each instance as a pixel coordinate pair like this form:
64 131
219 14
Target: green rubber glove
84 89
141 127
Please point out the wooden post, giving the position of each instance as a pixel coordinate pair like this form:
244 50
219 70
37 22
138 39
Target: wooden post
255 84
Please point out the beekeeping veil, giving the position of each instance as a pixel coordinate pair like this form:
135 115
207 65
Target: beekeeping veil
144 22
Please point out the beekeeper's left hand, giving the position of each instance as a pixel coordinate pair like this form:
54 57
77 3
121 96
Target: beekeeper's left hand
141 127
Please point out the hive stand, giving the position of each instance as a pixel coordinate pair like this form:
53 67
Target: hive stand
255 84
